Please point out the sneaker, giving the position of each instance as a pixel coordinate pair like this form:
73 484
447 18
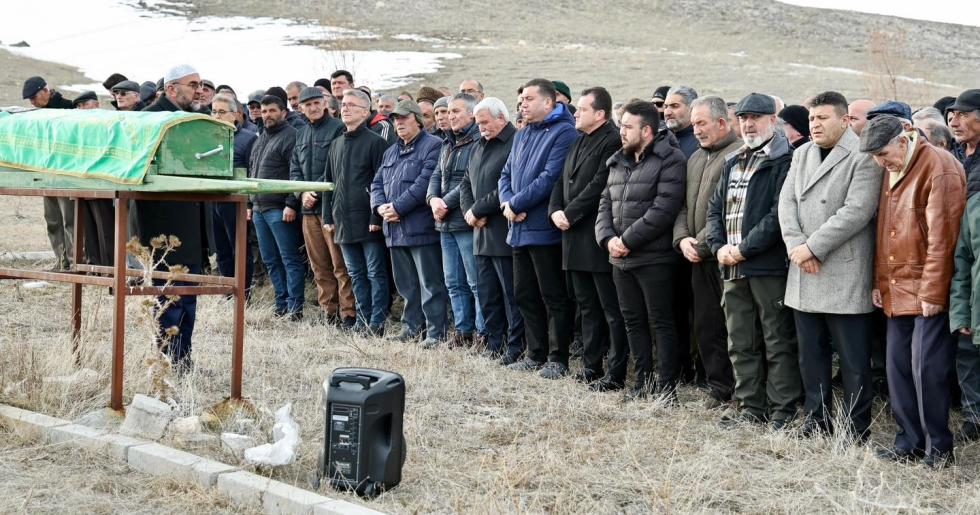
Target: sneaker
606 384
525 365
553 370
508 359
588 375
899 455
939 460
430 343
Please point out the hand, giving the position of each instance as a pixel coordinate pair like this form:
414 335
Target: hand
876 297
374 228
616 247
309 199
481 222
328 227
387 211
929 310
288 214
810 266
508 213
520 217
560 220
966 331
736 254
729 255
800 253
687 248
248 215
470 218
439 208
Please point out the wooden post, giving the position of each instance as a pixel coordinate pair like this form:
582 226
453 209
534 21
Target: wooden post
238 332
119 304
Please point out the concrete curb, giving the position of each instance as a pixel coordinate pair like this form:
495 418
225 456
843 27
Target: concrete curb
273 497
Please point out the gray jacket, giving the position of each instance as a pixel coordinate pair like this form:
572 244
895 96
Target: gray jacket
830 206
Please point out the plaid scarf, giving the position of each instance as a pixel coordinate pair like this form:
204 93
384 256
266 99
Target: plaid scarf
738 185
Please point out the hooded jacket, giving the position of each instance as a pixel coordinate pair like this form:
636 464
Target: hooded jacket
641 201
353 160
310 154
478 192
762 241
535 163
403 179
444 183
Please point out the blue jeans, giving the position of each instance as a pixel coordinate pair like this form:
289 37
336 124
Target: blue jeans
279 244
224 217
368 270
182 314
459 266
419 279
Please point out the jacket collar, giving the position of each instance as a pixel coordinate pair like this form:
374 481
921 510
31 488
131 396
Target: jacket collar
467 135
661 146
723 143
557 115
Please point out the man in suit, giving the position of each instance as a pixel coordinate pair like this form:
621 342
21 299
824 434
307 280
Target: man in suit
573 208
826 209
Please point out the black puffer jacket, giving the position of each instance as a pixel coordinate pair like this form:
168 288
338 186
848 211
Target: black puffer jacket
353 160
270 160
444 183
762 240
641 202
310 153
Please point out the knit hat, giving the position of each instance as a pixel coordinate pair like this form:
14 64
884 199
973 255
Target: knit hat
562 88
661 92
323 83
276 91
798 117
442 102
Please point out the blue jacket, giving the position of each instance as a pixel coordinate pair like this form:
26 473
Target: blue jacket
403 179
535 163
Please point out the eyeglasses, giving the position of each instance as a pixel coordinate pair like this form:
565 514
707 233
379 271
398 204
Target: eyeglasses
220 112
351 106
193 85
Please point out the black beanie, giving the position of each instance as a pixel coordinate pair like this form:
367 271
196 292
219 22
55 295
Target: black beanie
797 117
324 83
276 91
113 79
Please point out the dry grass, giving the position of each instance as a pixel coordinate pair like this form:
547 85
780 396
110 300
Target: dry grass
38 478
480 438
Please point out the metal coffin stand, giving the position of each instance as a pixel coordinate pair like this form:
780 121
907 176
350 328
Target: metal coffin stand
116 276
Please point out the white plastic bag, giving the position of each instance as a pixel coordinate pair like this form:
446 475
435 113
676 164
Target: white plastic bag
285 432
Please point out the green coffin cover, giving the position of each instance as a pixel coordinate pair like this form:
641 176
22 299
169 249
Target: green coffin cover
94 143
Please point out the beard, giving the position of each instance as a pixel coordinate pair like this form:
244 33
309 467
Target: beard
756 141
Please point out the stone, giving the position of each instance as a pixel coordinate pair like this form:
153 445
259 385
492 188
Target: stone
236 443
27 423
160 460
243 487
78 436
102 418
338 507
147 417
287 499
118 446
186 425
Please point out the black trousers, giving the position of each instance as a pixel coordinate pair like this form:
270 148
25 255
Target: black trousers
501 316
602 325
710 330
646 300
851 337
100 226
539 287
921 352
683 306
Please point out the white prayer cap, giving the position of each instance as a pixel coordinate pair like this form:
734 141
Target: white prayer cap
178 72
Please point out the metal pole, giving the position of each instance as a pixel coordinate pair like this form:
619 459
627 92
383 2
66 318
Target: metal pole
119 305
238 332
76 289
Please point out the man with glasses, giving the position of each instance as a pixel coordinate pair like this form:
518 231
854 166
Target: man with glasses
183 219
126 95
472 88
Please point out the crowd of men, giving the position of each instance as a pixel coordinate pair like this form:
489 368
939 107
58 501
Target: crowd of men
735 245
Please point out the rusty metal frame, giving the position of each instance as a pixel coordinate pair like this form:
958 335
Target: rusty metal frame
115 276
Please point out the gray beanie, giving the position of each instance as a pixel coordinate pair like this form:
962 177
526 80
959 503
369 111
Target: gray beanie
442 102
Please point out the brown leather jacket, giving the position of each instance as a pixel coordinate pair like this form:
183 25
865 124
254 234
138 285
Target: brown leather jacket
918 223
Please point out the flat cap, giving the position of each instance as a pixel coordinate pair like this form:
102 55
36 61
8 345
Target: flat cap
126 85
892 107
879 131
756 103
968 100
207 83
562 88
112 80
310 94
178 72
255 96
148 91
84 97
32 86
407 107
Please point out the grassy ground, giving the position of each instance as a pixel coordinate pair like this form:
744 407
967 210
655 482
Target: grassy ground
480 438
38 478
